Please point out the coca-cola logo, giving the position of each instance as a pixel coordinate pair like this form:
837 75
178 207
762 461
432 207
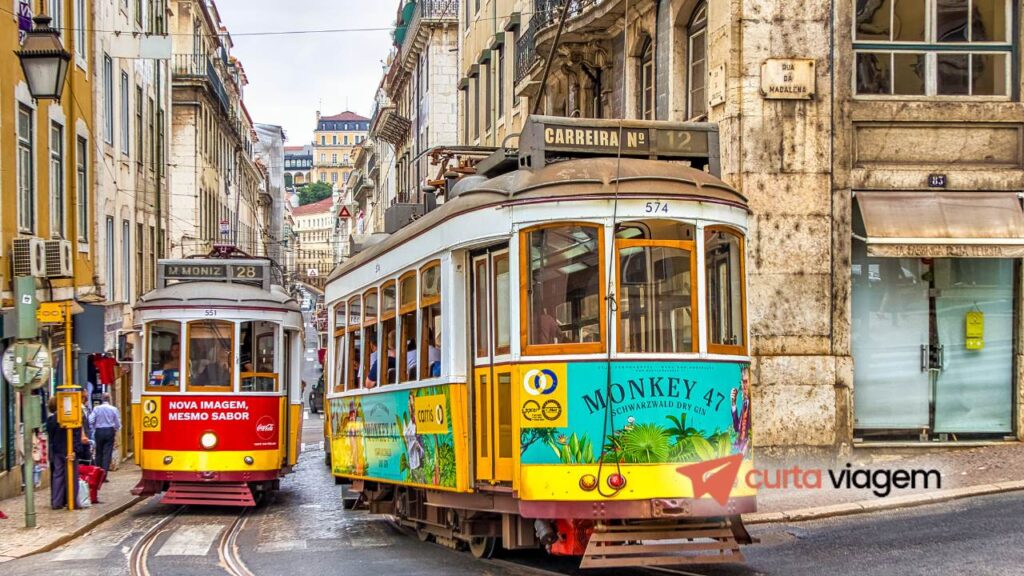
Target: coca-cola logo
265 428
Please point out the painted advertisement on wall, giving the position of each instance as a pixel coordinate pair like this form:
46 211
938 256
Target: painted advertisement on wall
646 413
405 436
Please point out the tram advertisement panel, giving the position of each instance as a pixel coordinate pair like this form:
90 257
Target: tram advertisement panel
240 422
405 436
658 412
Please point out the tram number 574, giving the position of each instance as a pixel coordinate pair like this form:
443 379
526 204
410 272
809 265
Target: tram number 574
656 208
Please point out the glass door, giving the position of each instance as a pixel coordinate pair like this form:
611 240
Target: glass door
492 375
974 323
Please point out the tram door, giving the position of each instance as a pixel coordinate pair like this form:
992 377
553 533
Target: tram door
492 373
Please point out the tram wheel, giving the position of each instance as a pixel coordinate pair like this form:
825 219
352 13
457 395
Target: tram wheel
483 547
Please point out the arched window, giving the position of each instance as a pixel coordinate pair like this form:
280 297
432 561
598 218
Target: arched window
696 63
645 81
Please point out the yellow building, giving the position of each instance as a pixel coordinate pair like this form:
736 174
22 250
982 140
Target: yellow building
46 175
334 142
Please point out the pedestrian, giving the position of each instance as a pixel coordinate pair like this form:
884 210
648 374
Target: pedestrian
58 444
105 421
84 453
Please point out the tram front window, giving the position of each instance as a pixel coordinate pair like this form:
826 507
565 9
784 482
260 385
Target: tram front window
210 362
564 301
655 297
258 343
164 358
723 261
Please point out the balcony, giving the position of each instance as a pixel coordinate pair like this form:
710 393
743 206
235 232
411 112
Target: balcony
333 163
196 68
583 19
389 125
426 15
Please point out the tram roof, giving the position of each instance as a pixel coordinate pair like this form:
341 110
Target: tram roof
218 294
591 179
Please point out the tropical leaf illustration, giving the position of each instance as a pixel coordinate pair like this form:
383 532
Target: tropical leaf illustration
645 443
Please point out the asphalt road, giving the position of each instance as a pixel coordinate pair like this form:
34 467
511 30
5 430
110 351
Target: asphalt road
304 529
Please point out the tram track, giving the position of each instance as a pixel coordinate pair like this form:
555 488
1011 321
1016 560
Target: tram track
229 558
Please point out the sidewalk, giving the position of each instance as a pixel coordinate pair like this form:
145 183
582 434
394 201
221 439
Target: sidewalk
964 472
56 527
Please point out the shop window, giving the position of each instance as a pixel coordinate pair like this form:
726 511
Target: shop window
354 356
257 358
563 270
407 327
211 345
430 314
164 356
723 262
933 47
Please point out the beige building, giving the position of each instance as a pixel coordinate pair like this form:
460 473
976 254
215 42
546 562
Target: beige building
334 141
877 144
314 250
220 193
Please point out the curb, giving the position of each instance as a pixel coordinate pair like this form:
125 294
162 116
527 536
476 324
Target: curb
65 538
866 506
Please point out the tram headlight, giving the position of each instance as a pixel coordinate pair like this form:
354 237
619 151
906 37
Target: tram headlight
168 460
208 440
588 482
248 460
616 481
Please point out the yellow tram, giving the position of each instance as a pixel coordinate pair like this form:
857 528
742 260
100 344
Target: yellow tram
217 402
558 343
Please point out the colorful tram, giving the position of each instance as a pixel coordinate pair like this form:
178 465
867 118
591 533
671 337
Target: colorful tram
217 401
557 342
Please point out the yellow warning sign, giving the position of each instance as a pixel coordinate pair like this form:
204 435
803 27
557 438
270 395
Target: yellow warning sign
50 312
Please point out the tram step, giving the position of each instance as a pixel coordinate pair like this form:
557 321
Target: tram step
237 494
660 544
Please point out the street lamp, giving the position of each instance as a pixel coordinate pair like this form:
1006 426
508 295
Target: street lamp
44 60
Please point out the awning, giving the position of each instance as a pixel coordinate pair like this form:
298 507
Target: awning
942 224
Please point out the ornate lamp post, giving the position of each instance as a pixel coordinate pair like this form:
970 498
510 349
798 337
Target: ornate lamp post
44 60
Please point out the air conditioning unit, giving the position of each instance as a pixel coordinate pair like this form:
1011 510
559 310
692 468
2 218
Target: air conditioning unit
59 260
29 257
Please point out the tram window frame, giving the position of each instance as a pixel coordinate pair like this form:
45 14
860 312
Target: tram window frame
233 361
687 245
354 345
405 336
502 303
370 295
525 293
481 304
740 349
426 304
257 372
340 333
388 325
149 354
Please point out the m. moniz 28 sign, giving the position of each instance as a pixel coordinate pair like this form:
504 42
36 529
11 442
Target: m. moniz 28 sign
244 271
545 138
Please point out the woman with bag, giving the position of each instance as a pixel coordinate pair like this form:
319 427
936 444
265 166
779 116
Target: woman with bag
58 444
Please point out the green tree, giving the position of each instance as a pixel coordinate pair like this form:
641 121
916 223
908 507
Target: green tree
314 192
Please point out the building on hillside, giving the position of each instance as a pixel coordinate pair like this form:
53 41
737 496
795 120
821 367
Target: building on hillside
217 183
418 107
298 166
869 151
314 257
47 187
334 139
270 152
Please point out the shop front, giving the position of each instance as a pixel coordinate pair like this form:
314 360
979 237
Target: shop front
934 310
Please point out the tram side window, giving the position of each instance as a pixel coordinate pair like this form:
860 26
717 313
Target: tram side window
430 314
258 343
164 355
564 291
370 377
211 345
407 327
723 261
340 322
353 360
389 323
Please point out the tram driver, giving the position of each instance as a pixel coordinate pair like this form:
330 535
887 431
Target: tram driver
217 373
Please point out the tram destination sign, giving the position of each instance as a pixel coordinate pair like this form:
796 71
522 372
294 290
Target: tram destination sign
198 270
546 137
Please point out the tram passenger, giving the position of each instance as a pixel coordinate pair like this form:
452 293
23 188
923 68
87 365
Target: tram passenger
410 359
373 378
171 365
548 329
219 372
434 355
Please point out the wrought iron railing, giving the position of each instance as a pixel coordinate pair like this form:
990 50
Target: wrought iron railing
199 66
429 11
526 53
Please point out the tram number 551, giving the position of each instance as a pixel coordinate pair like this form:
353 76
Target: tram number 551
656 208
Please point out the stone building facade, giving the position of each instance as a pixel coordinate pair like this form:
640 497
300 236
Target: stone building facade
879 145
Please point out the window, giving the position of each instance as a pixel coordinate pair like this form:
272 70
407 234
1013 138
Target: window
389 323
656 296
480 305
723 262
502 306
337 383
933 47
139 142
82 187
371 376
163 358
501 81
323 142
151 135
26 174
334 177
334 139
346 139
211 345
488 79
126 261
111 242
108 99
334 158
645 81
58 206
140 261
56 14
430 317
138 12
407 327
125 114
476 108
465 114
353 360
696 63
564 268
257 357
81 21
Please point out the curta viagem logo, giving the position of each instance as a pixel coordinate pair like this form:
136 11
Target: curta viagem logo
716 478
